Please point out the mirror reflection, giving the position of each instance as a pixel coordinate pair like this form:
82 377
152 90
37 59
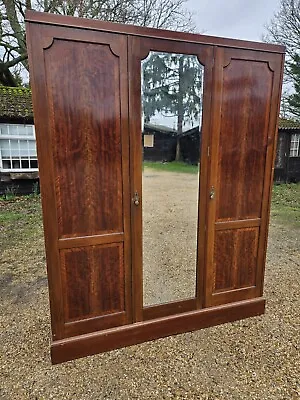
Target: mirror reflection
172 92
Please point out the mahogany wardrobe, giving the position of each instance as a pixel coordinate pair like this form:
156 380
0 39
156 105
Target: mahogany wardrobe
156 153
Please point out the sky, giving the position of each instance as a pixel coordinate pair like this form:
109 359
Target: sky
238 19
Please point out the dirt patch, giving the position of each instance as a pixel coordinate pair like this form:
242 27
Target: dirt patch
257 358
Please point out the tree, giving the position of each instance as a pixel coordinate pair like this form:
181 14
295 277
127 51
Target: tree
294 99
172 87
284 28
153 13
284 106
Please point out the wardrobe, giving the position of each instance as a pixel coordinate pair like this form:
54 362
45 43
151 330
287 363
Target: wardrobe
156 152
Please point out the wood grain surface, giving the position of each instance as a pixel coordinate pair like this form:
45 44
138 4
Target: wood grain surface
93 279
85 110
235 258
246 99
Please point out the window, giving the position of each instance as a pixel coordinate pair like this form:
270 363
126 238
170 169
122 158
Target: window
148 140
17 148
295 145
280 153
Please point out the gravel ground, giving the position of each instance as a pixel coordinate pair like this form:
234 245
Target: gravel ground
170 238
257 358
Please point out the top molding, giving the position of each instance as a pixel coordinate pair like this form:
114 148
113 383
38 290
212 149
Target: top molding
74 22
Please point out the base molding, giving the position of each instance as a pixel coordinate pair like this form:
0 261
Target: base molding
139 332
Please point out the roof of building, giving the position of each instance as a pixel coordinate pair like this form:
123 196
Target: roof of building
285 124
15 103
160 128
168 130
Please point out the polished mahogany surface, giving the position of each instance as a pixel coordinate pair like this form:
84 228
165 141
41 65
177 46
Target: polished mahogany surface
138 31
247 87
94 281
86 137
235 258
86 85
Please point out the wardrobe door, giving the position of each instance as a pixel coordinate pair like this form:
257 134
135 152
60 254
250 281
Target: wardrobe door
246 98
170 99
79 83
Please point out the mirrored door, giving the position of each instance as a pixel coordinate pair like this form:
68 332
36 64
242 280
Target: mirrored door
168 151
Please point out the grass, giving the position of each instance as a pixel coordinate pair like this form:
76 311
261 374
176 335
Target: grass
174 166
286 203
8 217
20 219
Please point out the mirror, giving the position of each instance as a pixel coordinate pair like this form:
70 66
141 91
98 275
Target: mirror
172 93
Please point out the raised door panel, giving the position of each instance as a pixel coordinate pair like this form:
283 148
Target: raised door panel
235 258
81 116
93 281
86 137
247 89
246 97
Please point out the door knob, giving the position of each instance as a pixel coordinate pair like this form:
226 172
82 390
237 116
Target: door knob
136 199
212 193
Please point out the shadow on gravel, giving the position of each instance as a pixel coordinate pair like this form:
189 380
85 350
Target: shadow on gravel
17 292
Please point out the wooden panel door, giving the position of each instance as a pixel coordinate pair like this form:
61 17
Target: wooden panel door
245 104
79 81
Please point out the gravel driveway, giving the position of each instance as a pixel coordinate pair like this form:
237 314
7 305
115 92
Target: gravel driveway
257 358
170 235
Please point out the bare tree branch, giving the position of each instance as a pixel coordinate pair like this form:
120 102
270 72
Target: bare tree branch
15 61
153 13
284 28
